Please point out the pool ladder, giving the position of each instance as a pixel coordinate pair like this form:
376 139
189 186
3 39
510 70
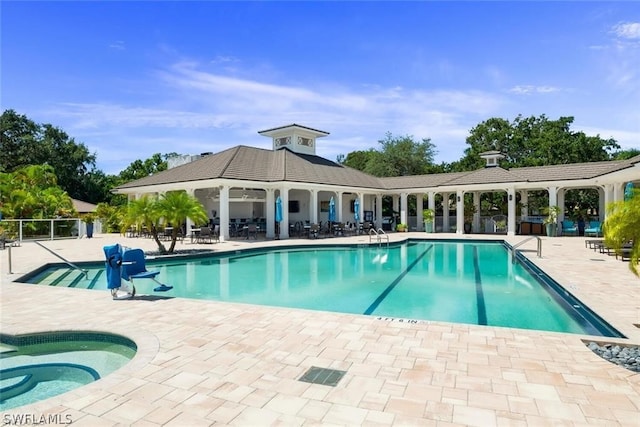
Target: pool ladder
379 234
539 248
70 264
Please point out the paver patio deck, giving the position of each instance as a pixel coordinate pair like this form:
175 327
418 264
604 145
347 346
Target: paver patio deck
207 362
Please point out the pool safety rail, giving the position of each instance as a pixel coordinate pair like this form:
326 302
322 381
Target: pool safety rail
70 264
379 235
515 247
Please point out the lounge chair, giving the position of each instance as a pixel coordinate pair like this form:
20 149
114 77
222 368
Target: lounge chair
569 228
134 267
594 229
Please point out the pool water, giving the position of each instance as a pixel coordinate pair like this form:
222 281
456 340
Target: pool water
461 282
38 367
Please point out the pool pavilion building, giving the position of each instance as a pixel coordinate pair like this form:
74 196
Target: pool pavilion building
242 184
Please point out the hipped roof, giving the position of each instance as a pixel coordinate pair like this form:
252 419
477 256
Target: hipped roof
245 163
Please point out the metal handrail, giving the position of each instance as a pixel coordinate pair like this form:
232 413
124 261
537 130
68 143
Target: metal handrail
539 248
70 264
382 233
378 233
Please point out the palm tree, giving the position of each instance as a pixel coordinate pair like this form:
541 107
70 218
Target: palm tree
172 207
175 207
622 226
143 213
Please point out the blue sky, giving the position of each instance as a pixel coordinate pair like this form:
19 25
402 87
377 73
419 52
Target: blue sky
130 79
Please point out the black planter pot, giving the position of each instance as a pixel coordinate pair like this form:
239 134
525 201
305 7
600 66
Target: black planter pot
467 228
89 231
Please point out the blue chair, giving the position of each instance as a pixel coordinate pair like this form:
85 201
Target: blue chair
134 267
569 228
594 229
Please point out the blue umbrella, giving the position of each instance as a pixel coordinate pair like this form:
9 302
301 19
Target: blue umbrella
356 210
278 215
628 191
278 209
332 210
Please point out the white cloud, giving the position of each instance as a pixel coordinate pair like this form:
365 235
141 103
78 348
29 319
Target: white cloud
531 89
627 30
626 139
223 111
117 45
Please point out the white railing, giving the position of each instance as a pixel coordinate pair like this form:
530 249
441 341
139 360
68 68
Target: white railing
46 229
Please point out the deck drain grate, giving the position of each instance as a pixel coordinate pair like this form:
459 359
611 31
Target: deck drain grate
596 259
323 376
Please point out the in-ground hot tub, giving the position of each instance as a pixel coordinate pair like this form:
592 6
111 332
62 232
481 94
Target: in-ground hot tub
38 366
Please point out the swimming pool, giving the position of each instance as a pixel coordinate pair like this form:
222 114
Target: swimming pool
462 282
38 366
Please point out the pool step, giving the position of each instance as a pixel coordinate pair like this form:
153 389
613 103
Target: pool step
72 278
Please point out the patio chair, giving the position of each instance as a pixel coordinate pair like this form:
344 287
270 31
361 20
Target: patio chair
594 229
252 231
134 267
314 230
569 228
204 236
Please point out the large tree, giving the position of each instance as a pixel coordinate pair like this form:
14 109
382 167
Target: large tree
533 141
397 156
142 168
24 142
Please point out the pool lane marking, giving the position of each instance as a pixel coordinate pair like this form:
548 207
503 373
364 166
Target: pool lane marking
482 310
393 284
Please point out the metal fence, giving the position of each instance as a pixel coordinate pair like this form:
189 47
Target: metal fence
46 229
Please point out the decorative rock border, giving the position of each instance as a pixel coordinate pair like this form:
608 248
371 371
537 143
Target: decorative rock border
627 357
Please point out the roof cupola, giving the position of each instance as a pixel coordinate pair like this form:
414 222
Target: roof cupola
299 139
492 158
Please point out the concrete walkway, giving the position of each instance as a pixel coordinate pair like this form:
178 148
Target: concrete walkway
206 362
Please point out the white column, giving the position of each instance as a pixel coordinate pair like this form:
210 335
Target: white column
395 204
511 212
445 212
419 208
360 197
339 204
553 196
432 205
313 206
476 215
284 225
524 200
191 192
224 213
378 218
618 192
459 212
270 208
561 192
608 198
403 208
601 203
